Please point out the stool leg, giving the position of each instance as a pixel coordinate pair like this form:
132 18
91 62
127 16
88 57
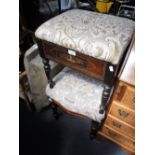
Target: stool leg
47 71
46 63
95 126
54 109
105 97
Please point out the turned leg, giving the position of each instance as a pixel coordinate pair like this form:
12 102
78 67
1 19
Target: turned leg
46 63
105 98
95 126
47 71
54 109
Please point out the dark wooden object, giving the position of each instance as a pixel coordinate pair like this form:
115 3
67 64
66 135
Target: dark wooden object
80 62
88 65
45 62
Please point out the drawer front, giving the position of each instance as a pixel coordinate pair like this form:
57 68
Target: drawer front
122 113
120 126
125 94
118 138
75 60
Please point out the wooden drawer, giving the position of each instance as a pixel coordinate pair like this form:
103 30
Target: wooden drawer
123 113
120 126
75 60
118 138
125 95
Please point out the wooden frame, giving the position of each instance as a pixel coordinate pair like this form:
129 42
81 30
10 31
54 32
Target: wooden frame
88 65
83 63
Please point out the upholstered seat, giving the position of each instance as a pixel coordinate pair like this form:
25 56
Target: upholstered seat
102 36
78 93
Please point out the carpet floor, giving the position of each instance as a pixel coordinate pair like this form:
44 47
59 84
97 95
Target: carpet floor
41 134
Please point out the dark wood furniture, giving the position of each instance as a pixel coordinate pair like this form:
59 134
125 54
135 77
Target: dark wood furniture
96 68
77 60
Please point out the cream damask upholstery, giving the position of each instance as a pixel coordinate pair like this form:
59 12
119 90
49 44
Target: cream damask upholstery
98 35
78 93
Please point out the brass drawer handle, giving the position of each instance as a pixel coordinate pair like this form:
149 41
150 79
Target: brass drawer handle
111 133
122 113
116 124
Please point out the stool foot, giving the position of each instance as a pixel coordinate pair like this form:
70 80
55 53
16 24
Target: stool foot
54 109
94 128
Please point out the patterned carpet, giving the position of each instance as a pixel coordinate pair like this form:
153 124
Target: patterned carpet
40 134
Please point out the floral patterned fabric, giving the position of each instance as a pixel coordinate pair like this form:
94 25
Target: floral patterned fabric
98 35
78 93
